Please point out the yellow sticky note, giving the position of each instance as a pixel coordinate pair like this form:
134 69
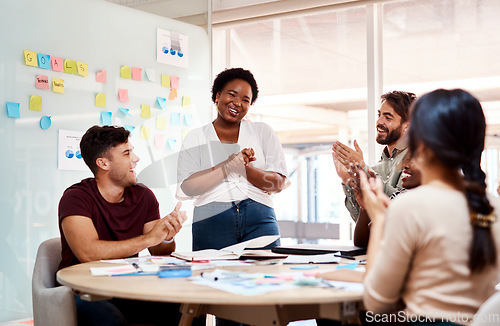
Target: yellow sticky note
82 69
100 100
58 85
184 133
186 101
173 94
145 132
145 111
125 72
161 123
36 103
70 66
165 80
30 58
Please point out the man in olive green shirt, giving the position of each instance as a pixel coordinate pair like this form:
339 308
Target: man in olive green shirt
392 124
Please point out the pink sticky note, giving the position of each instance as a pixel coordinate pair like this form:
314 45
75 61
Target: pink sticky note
100 77
136 73
174 82
159 140
42 82
57 64
123 95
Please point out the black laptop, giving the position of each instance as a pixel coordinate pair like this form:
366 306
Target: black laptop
318 249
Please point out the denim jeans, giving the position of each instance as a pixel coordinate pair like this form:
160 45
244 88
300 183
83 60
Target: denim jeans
217 225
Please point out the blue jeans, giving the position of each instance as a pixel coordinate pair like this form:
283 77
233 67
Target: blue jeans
217 225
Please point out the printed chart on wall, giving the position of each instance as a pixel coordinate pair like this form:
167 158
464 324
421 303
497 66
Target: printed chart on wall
68 153
172 48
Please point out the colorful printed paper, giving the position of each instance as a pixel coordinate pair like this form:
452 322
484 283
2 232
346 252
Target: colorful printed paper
165 80
100 100
70 66
82 69
30 58
43 60
136 73
36 103
42 82
58 85
145 111
13 110
125 72
123 95
100 76
57 64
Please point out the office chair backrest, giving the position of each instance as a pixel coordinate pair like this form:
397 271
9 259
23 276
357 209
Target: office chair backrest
489 312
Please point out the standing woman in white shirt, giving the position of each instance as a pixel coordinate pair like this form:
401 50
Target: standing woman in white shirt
231 167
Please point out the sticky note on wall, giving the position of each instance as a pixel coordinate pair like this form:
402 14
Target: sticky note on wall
145 132
175 119
125 72
161 123
36 103
174 82
82 69
186 101
136 73
43 60
57 64
123 95
30 58
100 100
42 82
70 66
13 110
58 85
145 111
100 76
165 80
106 118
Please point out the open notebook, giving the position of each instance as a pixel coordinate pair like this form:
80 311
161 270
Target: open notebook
236 251
318 249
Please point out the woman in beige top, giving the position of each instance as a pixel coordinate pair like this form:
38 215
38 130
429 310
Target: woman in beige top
432 254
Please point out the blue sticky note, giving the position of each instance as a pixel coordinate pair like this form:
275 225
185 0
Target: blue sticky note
125 111
175 119
172 143
43 60
304 267
129 128
13 110
162 102
45 122
106 118
349 266
188 119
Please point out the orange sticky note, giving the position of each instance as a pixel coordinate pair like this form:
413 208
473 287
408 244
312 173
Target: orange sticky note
136 73
123 95
57 64
82 69
125 72
100 76
100 100
173 94
30 58
145 111
145 132
42 82
70 66
174 82
36 103
165 80
58 85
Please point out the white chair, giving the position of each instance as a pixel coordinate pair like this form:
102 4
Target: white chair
52 305
489 312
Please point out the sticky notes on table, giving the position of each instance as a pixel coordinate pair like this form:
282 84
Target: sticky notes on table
106 118
123 95
43 60
145 111
145 132
36 103
70 66
42 82
100 76
186 101
175 119
82 69
100 100
150 73
165 80
30 58
125 72
162 102
161 123
57 64
12 110
58 85
174 82
136 73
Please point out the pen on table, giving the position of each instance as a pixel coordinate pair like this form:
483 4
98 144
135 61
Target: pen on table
138 268
346 257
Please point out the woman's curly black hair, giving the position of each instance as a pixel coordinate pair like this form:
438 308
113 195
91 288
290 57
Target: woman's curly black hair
228 75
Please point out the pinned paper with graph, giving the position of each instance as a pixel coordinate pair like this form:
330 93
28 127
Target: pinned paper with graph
171 48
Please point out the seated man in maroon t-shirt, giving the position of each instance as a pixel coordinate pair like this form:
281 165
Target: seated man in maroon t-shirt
112 216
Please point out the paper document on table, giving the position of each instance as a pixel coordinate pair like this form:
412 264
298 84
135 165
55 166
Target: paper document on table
231 252
312 259
346 286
